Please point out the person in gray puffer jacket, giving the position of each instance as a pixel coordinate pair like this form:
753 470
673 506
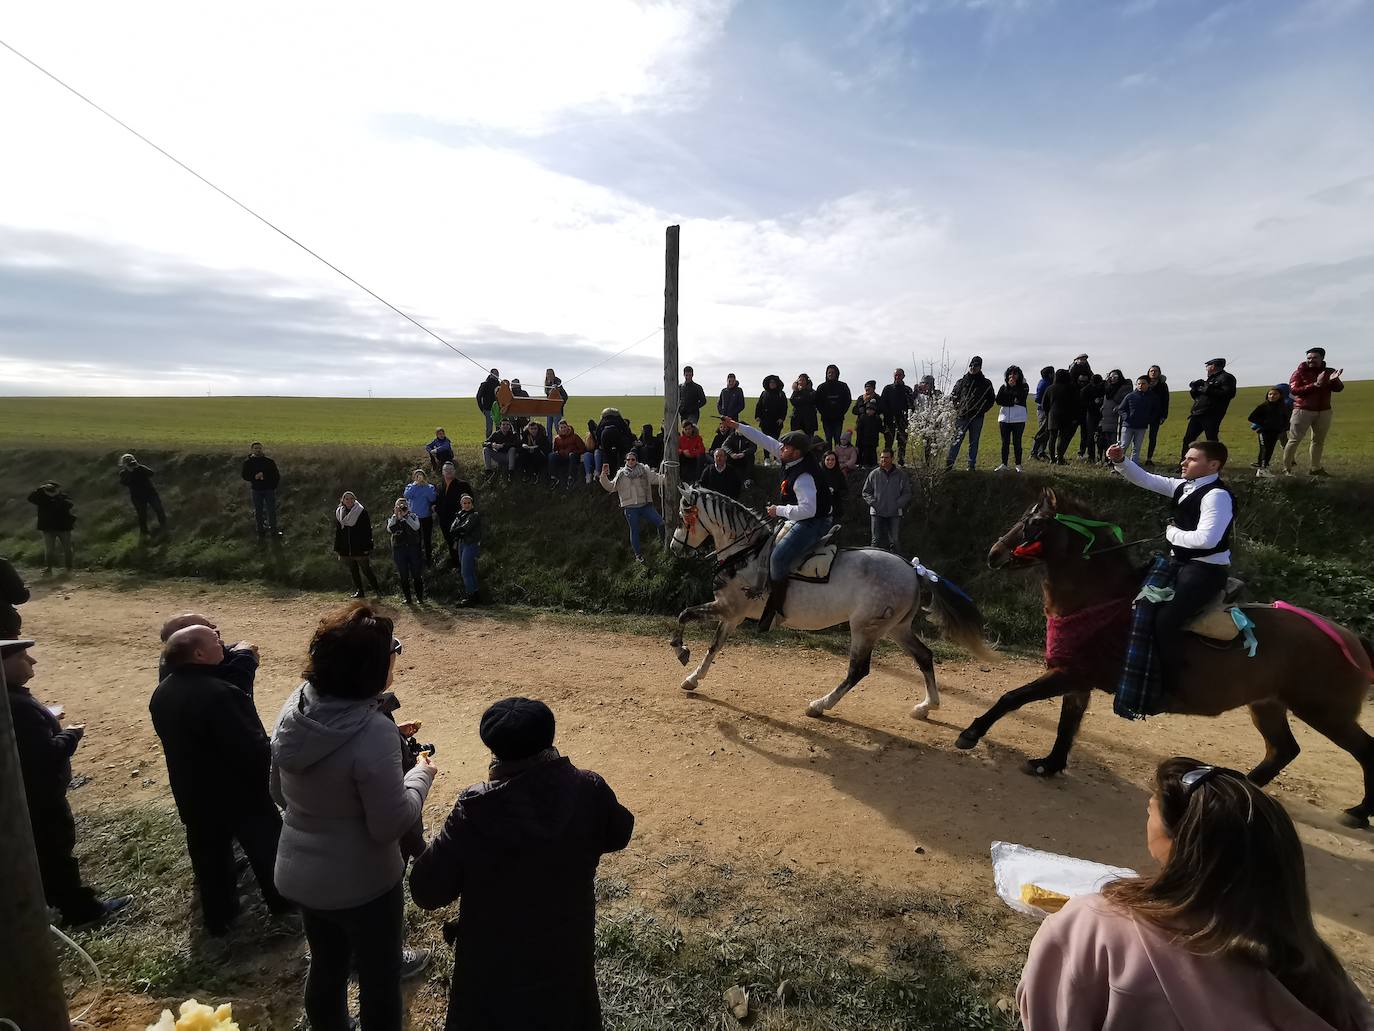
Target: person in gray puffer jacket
336 771
634 485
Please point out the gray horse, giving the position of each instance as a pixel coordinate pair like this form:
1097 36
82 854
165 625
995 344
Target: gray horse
877 593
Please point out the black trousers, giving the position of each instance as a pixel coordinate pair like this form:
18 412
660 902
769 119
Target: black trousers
356 568
834 426
1154 437
1197 584
427 538
1012 433
445 528
896 431
367 937
210 841
1041 441
1206 425
141 506
1266 447
54 839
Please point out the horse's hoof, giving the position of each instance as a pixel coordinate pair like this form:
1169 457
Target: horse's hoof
1354 818
921 711
815 709
966 740
689 684
684 655
1040 768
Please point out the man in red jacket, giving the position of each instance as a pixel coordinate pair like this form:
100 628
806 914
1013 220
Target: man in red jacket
1312 385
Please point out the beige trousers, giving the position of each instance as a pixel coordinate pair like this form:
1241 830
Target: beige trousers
1320 425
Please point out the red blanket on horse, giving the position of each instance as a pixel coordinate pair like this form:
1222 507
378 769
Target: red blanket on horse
1090 642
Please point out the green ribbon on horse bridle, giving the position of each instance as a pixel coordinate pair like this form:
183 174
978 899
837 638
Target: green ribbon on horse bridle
1078 524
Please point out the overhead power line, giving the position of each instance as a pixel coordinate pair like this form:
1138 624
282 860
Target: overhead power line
273 226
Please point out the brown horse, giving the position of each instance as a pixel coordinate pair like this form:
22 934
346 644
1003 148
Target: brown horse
1298 667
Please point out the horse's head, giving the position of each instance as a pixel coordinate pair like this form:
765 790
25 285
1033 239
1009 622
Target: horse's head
690 534
1035 537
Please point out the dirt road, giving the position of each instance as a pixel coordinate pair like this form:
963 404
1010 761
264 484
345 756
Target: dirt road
737 768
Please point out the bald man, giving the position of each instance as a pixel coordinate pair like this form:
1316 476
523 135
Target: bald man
218 760
239 665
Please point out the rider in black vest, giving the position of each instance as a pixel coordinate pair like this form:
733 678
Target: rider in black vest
1199 536
803 500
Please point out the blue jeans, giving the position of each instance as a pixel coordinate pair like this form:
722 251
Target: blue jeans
886 531
486 414
789 552
467 562
974 429
410 567
1132 439
265 510
591 462
634 515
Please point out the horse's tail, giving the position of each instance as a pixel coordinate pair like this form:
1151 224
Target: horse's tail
955 612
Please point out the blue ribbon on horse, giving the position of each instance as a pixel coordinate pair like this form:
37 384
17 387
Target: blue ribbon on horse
1246 626
1086 527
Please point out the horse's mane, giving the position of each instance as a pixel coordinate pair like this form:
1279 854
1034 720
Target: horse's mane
731 504
1071 504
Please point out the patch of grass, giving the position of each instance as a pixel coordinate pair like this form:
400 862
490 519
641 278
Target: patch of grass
567 551
674 932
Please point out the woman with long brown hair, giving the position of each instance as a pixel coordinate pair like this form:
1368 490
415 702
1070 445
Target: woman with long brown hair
1221 937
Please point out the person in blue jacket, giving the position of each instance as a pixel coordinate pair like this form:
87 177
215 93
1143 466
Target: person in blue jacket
440 450
421 496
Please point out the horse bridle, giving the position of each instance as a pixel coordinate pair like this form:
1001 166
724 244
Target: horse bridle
743 546
1030 545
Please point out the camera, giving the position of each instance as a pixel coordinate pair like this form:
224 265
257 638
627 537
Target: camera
416 749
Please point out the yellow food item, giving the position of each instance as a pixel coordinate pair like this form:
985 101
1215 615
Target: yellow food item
1040 898
196 1016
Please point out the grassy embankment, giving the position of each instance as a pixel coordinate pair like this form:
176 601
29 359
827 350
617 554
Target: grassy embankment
1301 539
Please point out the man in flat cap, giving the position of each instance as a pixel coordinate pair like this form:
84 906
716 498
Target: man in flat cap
1211 397
522 848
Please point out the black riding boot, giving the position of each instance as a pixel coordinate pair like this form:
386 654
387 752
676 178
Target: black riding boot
777 596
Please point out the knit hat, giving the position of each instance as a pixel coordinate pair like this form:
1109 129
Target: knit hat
516 728
975 360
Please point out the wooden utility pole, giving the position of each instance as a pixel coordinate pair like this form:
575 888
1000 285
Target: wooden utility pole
31 993
670 386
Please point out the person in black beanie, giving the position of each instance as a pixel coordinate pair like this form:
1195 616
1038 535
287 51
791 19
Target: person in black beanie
521 849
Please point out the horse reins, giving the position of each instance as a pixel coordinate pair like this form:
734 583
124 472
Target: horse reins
1086 528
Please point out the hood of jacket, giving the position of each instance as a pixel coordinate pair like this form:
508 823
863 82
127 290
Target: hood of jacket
530 805
313 727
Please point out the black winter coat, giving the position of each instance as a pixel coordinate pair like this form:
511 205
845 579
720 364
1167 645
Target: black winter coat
1161 391
54 511
467 527
486 393
12 593
451 499
1010 397
1212 396
724 481
1270 416
522 854
897 401
1064 403
218 755
833 399
354 541
270 476
804 409
771 408
139 480
973 396
691 399
45 754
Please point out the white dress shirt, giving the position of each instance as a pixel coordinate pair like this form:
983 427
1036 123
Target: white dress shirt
1217 510
804 486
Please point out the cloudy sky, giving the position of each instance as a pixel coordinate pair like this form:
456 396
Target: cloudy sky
856 180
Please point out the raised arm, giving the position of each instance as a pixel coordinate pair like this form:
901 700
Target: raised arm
1165 485
760 438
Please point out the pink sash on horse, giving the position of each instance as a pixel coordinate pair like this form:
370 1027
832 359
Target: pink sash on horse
1325 627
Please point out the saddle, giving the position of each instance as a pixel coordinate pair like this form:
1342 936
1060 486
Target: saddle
1215 622
815 568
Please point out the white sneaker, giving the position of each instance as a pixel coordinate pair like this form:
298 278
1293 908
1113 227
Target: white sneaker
1001 468
1018 468
1264 473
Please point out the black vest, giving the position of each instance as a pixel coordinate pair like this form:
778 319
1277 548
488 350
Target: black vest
1188 513
789 476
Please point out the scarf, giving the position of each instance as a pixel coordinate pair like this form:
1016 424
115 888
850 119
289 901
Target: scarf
349 518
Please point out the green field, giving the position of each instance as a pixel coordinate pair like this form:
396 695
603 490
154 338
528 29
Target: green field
116 423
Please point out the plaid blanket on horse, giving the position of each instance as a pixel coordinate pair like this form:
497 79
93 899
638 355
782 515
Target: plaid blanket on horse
1140 691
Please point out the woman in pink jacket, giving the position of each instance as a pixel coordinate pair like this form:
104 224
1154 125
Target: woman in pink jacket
1221 937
